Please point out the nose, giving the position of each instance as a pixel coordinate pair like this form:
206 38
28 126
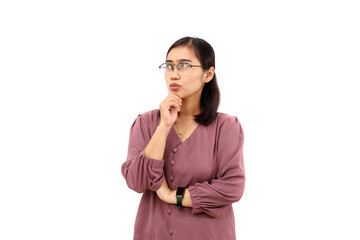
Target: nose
175 73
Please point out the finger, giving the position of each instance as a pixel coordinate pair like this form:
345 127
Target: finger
175 104
177 99
174 108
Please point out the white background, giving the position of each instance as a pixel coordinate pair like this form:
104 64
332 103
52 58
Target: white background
75 74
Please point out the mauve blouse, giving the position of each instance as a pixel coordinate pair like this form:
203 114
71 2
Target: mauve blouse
209 163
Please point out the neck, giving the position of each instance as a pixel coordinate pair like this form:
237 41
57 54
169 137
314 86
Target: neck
190 107
188 110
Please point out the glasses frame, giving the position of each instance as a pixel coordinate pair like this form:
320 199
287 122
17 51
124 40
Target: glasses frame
177 66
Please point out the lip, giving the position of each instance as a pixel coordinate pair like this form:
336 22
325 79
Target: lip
174 86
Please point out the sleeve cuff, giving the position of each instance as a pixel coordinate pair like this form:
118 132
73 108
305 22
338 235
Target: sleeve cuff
195 199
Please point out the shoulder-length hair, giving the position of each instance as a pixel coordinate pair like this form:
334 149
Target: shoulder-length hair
210 96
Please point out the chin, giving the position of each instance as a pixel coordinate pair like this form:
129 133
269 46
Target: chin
175 93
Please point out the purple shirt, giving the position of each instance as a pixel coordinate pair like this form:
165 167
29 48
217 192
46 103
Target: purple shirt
209 163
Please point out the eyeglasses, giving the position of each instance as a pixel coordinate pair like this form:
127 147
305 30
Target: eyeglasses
183 68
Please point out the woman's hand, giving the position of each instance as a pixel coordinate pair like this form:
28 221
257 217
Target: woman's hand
169 109
166 194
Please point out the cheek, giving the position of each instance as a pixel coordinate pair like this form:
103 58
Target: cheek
197 82
192 83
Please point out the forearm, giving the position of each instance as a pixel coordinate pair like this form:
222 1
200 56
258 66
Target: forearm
156 146
186 202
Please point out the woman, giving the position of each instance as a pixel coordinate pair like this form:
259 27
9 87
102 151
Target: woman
185 157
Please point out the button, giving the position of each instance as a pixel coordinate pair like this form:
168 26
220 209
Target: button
172 162
171 178
171 231
175 150
169 211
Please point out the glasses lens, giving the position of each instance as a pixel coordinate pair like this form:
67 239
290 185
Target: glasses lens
165 68
184 68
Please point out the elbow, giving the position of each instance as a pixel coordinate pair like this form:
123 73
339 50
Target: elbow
131 183
239 196
134 187
242 188
238 193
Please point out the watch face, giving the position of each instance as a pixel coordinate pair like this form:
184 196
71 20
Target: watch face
180 192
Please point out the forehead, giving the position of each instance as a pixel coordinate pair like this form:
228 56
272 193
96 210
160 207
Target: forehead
181 52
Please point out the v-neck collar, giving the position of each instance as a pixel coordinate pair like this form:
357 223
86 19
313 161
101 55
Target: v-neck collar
177 136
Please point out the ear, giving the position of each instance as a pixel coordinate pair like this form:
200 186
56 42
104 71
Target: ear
209 74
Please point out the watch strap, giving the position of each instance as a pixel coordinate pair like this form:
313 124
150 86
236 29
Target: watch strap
180 192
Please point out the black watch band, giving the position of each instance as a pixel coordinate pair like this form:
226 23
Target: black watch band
179 196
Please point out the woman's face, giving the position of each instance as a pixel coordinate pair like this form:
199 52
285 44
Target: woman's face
193 81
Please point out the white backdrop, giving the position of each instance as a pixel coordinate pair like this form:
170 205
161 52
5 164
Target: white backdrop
75 74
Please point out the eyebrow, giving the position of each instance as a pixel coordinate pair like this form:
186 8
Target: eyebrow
180 60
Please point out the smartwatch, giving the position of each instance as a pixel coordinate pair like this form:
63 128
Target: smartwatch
179 196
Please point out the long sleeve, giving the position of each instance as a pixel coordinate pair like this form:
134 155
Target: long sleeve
213 197
141 172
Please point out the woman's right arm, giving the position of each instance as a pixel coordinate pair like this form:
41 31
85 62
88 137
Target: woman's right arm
156 147
143 168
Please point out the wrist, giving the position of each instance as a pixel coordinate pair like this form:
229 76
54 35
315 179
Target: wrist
163 128
163 193
171 197
165 125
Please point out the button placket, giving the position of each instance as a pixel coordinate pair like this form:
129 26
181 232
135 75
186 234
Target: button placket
172 162
171 179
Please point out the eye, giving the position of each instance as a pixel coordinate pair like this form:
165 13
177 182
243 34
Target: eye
184 65
168 66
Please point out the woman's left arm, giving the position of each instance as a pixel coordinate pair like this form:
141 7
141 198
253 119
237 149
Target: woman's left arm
214 196
186 202
169 196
